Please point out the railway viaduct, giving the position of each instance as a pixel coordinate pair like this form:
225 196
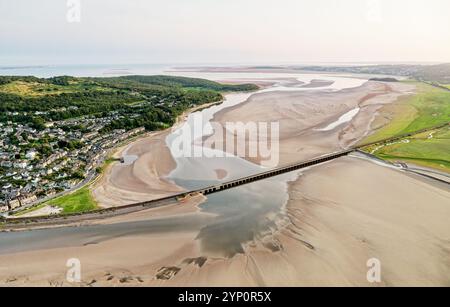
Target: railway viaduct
113 211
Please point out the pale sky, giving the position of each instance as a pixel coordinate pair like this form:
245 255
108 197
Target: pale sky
225 31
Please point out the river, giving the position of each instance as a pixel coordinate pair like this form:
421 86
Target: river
241 215
250 211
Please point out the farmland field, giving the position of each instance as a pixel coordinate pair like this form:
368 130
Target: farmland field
429 107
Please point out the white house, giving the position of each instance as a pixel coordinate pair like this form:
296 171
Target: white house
21 164
31 155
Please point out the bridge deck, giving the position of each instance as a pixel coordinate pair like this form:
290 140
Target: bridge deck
273 172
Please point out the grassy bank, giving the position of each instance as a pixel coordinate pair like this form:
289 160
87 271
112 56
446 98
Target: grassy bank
429 107
108 161
431 149
78 201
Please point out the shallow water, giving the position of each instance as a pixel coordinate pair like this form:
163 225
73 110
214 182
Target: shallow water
15 242
342 120
244 214
240 215
100 70
249 211
129 159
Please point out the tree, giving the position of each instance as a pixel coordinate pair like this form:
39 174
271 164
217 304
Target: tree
38 123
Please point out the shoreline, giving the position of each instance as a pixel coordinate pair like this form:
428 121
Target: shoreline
152 145
116 153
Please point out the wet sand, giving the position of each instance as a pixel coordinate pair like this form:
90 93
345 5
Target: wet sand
335 220
141 180
144 178
352 210
338 221
302 114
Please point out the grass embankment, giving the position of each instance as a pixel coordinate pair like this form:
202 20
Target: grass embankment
105 164
429 107
78 201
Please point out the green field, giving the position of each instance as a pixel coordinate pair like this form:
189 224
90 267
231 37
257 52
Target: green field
78 201
431 149
428 108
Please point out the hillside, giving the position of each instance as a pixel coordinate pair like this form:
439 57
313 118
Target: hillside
153 100
56 133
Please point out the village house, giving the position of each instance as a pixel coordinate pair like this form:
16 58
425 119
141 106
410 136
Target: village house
21 164
13 204
31 155
6 164
25 200
4 208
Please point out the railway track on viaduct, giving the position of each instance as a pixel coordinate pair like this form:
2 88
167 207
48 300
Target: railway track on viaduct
103 213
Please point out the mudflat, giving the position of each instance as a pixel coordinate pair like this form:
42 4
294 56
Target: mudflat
339 214
302 115
141 180
337 219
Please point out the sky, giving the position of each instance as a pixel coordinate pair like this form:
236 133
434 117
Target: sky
223 31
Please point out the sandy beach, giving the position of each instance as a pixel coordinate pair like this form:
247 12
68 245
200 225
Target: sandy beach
302 114
144 177
141 180
335 220
338 221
